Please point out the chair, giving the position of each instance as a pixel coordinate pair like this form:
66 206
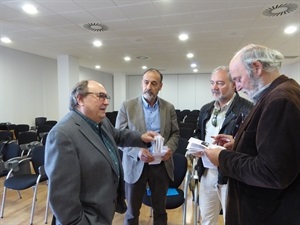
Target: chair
182 144
8 150
50 122
186 132
20 128
24 179
40 121
190 125
193 113
191 119
27 140
5 135
42 130
177 196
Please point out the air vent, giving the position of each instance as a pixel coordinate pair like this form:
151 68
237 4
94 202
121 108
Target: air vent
95 27
280 10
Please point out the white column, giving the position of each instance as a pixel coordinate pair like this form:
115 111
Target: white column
119 90
68 76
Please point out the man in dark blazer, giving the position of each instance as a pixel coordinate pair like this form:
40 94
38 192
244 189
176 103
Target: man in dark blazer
82 162
264 164
148 112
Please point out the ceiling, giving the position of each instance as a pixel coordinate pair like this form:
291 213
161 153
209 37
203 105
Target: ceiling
147 31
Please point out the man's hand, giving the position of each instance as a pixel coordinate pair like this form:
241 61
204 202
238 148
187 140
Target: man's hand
167 155
148 136
225 140
145 155
213 155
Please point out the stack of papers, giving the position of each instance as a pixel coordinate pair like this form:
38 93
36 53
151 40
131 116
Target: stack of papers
195 145
158 150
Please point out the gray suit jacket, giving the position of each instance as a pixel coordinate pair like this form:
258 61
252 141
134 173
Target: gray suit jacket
83 182
131 116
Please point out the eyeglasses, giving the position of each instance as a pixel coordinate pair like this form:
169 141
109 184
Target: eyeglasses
102 96
214 120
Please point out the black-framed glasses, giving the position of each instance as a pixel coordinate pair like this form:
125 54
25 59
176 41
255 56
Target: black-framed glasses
102 96
214 119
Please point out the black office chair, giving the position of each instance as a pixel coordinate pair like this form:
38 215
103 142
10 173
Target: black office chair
190 125
42 130
21 179
40 121
186 132
50 122
5 135
182 144
176 196
18 128
8 150
27 140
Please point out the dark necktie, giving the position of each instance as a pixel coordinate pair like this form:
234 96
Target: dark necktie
110 147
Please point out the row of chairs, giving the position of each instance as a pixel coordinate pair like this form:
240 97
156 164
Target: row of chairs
23 172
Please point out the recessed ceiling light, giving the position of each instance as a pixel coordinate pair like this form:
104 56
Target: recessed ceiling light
144 67
195 70
193 65
97 66
97 43
30 9
127 58
290 29
5 40
183 37
190 55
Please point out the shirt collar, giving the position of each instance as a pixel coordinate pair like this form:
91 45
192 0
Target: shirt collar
146 104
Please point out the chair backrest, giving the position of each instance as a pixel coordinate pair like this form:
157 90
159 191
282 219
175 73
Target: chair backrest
182 144
27 137
5 135
42 129
10 150
50 122
38 157
186 132
20 128
40 121
190 125
180 168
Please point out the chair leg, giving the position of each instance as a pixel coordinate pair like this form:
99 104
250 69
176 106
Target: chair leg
3 202
47 208
33 203
196 194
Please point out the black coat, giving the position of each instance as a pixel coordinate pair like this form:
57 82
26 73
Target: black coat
239 107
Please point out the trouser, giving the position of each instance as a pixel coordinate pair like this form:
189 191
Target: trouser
158 181
212 197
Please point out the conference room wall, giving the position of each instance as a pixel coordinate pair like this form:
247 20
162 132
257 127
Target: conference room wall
28 86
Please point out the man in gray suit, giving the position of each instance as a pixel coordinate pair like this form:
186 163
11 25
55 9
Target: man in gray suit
148 112
82 161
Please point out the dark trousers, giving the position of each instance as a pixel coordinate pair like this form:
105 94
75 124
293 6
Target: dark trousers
158 181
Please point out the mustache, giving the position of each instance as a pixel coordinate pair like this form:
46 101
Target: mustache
215 92
148 92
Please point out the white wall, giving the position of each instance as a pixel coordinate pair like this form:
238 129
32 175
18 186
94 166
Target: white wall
29 87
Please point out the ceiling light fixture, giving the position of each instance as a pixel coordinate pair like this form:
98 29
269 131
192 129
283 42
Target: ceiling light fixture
5 40
290 29
95 27
193 65
97 66
97 43
279 10
127 58
183 37
190 55
30 9
144 67
195 70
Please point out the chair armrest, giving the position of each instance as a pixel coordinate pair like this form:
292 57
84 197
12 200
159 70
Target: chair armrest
42 171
